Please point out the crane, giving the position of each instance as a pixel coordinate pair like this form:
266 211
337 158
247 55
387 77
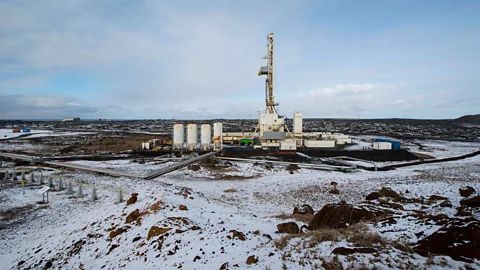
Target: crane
268 71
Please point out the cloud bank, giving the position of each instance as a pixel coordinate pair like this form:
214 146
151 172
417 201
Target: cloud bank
158 59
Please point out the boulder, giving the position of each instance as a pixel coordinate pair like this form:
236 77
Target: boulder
133 199
252 259
238 235
288 227
304 209
133 216
117 232
437 198
472 201
388 192
459 239
224 266
446 203
466 191
154 231
373 196
182 207
342 215
462 211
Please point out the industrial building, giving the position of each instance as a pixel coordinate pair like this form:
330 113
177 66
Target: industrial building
271 128
76 119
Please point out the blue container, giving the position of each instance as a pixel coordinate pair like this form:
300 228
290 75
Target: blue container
395 144
26 130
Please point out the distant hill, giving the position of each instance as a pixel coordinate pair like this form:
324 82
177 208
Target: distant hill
469 119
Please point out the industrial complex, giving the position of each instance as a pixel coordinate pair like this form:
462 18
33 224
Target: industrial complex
275 192
271 133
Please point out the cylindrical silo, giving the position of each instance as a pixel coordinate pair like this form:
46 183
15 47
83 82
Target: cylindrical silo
178 136
192 136
205 136
217 136
297 124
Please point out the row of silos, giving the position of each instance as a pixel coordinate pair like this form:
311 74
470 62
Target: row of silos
192 136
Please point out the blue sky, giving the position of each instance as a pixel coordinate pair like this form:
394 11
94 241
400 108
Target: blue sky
199 59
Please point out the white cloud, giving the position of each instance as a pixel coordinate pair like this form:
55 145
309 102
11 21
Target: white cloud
199 61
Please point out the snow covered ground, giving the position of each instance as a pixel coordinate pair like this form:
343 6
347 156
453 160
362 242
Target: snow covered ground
231 214
8 134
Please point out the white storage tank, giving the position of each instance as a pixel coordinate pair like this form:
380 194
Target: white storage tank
297 123
192 136
205 136
178 136
217 136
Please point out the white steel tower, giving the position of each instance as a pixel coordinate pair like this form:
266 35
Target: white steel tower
268 71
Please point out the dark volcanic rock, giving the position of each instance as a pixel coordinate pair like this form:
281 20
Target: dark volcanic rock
252 259
154 231
133 199
117 232
388 192
304 209
459 239
348 251
339 215
466 191
446 203
472 201
373 196
289 227
238 235
133 216
437 198
292 167
463 212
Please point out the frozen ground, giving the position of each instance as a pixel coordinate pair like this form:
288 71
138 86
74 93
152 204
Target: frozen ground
37 133
126 165
74 232
434 148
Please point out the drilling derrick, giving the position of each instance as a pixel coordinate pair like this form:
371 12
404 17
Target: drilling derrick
268 71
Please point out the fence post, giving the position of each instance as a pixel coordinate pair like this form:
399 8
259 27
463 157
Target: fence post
14 175
120 198
70 188
22 176
41 179
80 191
94 194
60 184
50 182
31 178
6 175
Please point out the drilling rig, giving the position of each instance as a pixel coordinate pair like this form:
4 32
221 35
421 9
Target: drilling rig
271 126
268 71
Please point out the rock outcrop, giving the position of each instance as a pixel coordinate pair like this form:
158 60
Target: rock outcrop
288 227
